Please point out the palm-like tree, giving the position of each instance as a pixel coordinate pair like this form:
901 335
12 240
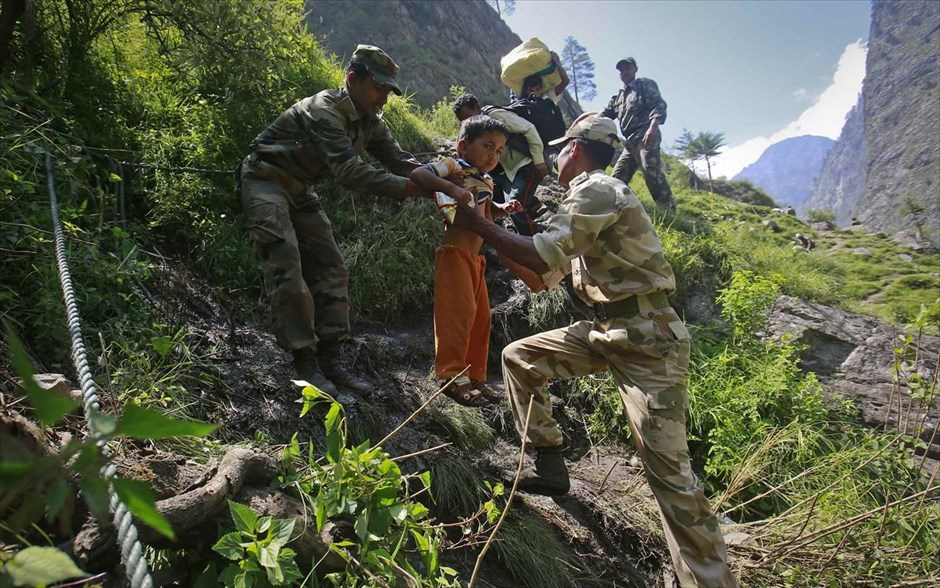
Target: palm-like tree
701 146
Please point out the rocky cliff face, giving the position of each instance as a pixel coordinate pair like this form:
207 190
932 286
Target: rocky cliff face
885 168
437 44
788 169
841 182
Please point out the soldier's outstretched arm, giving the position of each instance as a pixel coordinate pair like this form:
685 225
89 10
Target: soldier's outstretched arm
518 248
386 149
335 149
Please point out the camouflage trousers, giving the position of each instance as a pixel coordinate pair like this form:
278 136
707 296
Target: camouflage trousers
647 159
304 273
648 357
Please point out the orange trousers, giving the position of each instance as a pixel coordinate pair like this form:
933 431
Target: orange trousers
461 313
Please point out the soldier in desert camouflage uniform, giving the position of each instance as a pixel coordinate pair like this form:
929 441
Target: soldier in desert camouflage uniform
322 136
602 234
640 109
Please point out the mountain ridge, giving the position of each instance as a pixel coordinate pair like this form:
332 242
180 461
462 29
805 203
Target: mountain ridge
787 170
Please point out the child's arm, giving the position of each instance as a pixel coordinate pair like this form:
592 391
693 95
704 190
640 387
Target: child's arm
497 209
426 177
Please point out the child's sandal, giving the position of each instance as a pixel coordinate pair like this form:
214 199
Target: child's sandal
465 395
490 395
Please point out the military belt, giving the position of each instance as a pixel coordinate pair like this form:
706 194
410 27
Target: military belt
629 306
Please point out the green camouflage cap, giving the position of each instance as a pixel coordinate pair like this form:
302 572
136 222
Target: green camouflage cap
379 64
592 127
625 61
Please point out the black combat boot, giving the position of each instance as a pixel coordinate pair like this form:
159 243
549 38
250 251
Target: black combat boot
550 477
307 368
331 360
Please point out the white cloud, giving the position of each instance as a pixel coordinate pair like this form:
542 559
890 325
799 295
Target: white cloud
824 118
802 95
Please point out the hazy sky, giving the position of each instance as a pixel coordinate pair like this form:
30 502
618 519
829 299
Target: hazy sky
757 71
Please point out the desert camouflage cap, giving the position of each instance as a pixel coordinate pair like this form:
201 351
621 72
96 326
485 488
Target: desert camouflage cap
592 127
379 64
625 61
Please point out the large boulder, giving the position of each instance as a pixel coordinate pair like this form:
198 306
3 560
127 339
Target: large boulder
854 356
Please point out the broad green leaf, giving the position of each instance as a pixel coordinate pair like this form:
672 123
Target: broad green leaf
321 515
425 478
143 423
113 177
421 540
289 566
264 523
95 491
380 521
281 531
334 446
333 417
246 520
362 526
162 345
228 575
398 513
141 501
55 498
49 407
228 547
417 510
386 495
275 575
267 555
38 566
103 423
12 472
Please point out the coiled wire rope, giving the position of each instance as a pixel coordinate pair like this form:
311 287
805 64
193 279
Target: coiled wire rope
132 556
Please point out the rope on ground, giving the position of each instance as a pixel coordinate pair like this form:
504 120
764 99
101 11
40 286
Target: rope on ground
135 564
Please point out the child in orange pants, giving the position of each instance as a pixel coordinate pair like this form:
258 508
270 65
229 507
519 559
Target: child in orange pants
461 302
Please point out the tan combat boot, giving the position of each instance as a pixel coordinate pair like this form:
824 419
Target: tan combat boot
550 477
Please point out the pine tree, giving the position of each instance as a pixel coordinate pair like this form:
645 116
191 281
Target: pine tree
509 6
580 68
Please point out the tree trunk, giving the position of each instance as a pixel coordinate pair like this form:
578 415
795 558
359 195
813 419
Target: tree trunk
708 163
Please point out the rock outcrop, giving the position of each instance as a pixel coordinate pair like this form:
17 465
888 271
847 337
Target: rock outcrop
437 44
841 183
902 118
885 170
853 356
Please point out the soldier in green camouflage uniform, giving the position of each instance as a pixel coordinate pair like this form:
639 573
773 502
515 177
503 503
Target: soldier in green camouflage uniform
640 109
602 234
322 136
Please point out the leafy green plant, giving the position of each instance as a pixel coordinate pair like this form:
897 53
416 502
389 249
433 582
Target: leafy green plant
820 215
362 491
33 488
257 548
746 301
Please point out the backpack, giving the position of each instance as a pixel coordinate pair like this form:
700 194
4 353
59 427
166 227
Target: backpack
541 112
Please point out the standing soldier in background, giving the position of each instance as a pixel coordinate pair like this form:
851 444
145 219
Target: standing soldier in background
640 110
305 276
602 235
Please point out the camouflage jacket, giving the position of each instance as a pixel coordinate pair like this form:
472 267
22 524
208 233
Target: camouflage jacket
324 136
635 106
605 233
